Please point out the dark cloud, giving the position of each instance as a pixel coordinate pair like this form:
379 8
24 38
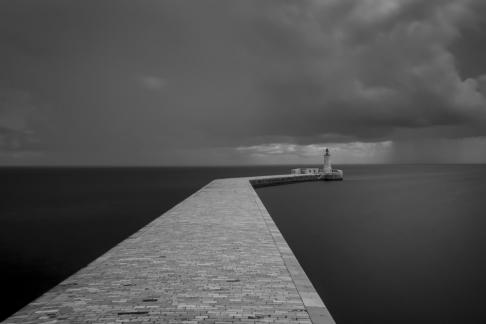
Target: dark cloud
18 121
383 71
160 81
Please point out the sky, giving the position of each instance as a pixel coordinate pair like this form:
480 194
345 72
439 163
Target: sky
242 82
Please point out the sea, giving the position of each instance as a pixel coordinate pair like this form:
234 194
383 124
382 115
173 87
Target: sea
389 244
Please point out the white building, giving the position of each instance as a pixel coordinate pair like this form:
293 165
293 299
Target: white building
310 171
305 171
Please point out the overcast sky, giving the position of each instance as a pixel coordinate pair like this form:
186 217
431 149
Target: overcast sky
241 82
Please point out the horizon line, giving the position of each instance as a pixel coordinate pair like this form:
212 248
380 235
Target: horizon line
230 165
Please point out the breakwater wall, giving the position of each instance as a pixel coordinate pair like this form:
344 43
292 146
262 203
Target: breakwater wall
216 257
283 179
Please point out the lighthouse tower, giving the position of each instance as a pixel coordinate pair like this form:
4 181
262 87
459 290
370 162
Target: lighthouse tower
327 162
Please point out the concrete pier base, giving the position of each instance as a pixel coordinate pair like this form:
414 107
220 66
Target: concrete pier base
217 257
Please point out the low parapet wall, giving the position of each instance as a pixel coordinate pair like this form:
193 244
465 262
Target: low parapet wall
282 179
216 257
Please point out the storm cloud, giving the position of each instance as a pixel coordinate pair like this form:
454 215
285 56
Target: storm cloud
220 82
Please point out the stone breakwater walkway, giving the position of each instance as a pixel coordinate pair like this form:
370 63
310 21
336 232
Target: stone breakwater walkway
217 257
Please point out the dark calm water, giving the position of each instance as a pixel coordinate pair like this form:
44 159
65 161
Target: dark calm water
54 221
391 243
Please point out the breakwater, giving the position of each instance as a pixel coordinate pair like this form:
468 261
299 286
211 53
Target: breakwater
282 179
215 257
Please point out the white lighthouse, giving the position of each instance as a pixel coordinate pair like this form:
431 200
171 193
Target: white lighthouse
327 162
326 173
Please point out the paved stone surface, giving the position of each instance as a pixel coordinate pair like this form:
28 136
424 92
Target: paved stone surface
217 257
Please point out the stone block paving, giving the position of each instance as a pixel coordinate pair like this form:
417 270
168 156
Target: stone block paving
217 257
